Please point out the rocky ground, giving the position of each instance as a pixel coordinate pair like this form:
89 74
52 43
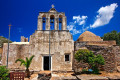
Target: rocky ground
72 76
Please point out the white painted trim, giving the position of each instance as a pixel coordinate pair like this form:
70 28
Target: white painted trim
51 63
19 43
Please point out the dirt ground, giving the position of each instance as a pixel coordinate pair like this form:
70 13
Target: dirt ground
33 77
61 76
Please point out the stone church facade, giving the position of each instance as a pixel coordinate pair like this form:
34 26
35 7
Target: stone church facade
56 40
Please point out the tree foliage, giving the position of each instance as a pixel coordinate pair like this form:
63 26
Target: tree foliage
26 64
113 35
3 40
94 61
4 72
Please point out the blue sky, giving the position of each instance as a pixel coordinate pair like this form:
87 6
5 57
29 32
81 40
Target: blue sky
97 16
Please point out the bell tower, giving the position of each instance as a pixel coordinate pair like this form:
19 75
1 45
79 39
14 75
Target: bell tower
52 20
52 40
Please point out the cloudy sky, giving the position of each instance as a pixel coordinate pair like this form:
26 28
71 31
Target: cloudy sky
97 16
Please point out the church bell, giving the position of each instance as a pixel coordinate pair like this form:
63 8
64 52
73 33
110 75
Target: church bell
52 20
43 20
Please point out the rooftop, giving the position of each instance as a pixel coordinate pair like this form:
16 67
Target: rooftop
89 36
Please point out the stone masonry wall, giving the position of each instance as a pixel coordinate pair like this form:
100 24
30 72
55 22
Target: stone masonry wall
61 43
99 43
111 55
102 43
16 51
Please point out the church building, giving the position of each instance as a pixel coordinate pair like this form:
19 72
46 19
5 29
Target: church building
52 44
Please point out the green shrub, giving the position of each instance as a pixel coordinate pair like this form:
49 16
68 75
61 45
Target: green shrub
84 70
4 72
94 61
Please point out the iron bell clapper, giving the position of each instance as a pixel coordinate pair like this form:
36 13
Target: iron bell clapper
52 21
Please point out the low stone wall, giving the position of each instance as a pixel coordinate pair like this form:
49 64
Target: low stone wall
16 51
102 43
81 44
110 54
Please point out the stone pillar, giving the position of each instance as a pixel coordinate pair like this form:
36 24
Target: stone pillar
48 23
64 23
56 23
23 39
40 22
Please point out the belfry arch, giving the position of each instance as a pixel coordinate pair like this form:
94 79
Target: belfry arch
52 22
44 22
60 22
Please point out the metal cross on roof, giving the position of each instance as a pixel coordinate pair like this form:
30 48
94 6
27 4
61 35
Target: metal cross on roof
9 25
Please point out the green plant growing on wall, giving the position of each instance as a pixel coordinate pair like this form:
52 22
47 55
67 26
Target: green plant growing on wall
94 61
4 72
26 64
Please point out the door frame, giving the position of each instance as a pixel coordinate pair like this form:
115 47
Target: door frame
43 62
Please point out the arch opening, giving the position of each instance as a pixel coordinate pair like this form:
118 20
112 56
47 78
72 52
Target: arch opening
60 22
52 21
43 22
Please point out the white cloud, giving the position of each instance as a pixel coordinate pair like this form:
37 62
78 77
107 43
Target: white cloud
80 20
74 27
70 27
75 31
19 30
105 14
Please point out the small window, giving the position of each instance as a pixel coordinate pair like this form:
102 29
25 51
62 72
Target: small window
67 57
